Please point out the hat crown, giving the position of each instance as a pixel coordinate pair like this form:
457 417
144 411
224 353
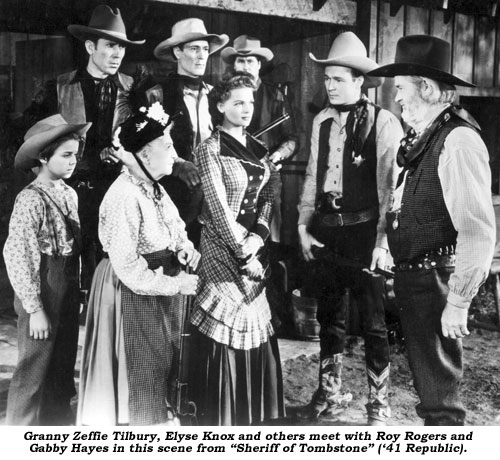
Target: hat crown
45 125
189 26
347 44
245 44
104 18
424 50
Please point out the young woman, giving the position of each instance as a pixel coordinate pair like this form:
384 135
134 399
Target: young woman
41 255
237 372
133 325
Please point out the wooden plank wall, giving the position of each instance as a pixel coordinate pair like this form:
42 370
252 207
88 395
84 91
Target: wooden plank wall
475 44
38 61
341 12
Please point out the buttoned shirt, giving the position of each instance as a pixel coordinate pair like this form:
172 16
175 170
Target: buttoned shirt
388 136
37 227
133 222
465 178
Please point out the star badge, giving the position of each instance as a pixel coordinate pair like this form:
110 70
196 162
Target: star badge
358 160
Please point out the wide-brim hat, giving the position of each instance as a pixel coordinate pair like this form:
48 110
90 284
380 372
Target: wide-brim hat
348 50
424 56
185 31
246 46
104 23
42 134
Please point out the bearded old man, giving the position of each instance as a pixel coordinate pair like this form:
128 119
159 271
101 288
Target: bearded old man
441 227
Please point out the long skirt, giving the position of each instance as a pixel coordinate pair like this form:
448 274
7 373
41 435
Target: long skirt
128 367
236 387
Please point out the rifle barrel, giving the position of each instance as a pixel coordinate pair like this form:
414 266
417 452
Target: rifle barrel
271 125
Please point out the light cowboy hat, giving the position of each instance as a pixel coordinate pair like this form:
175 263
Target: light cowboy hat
348 50
104 23
189 30
42 134
246 46
424 56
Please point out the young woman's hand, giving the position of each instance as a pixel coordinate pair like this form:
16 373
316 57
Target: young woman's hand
190 257
254 270
40 327
250 247
188 283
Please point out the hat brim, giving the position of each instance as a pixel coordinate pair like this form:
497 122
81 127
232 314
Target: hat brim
27 156
163 49
84 32
264 53
402 68
359 63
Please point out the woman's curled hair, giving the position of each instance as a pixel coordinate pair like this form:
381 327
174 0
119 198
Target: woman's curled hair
222 90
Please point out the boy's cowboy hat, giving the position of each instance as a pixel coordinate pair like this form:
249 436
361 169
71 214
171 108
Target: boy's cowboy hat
347 50
104 23
188 30
42 134
424 56
246 46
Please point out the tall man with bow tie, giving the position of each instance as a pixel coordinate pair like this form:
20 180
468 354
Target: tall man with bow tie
441 226
184 97
347 190
93 94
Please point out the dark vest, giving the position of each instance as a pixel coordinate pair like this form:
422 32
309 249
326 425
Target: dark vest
359 190
424 223
170 94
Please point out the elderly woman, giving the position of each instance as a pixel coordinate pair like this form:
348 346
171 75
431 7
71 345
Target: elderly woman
133 323
237 369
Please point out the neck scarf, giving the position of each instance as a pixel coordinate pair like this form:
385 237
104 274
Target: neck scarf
358 125
413 146
343 107
193 83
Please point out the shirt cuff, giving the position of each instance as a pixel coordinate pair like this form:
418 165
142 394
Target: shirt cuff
305 218
381 241
261 231
458 301
32 305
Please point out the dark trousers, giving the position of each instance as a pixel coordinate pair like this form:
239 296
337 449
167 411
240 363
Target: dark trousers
435 361
90 195
350 250
42 384
368 291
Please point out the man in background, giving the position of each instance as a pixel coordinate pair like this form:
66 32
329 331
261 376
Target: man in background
184 97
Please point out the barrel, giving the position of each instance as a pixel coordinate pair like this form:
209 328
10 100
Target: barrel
304 316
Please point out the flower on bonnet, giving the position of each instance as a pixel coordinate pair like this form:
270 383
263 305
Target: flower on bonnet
156 112
142 127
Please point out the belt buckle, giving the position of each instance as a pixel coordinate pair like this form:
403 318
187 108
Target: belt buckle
334 202
341 220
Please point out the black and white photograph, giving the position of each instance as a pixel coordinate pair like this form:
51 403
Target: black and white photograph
275 214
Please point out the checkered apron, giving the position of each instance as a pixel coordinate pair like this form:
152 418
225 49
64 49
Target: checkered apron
151 327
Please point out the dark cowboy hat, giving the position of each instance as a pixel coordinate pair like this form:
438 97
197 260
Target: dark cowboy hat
185 31
42 134
348 50
246 46
424 56
104 23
